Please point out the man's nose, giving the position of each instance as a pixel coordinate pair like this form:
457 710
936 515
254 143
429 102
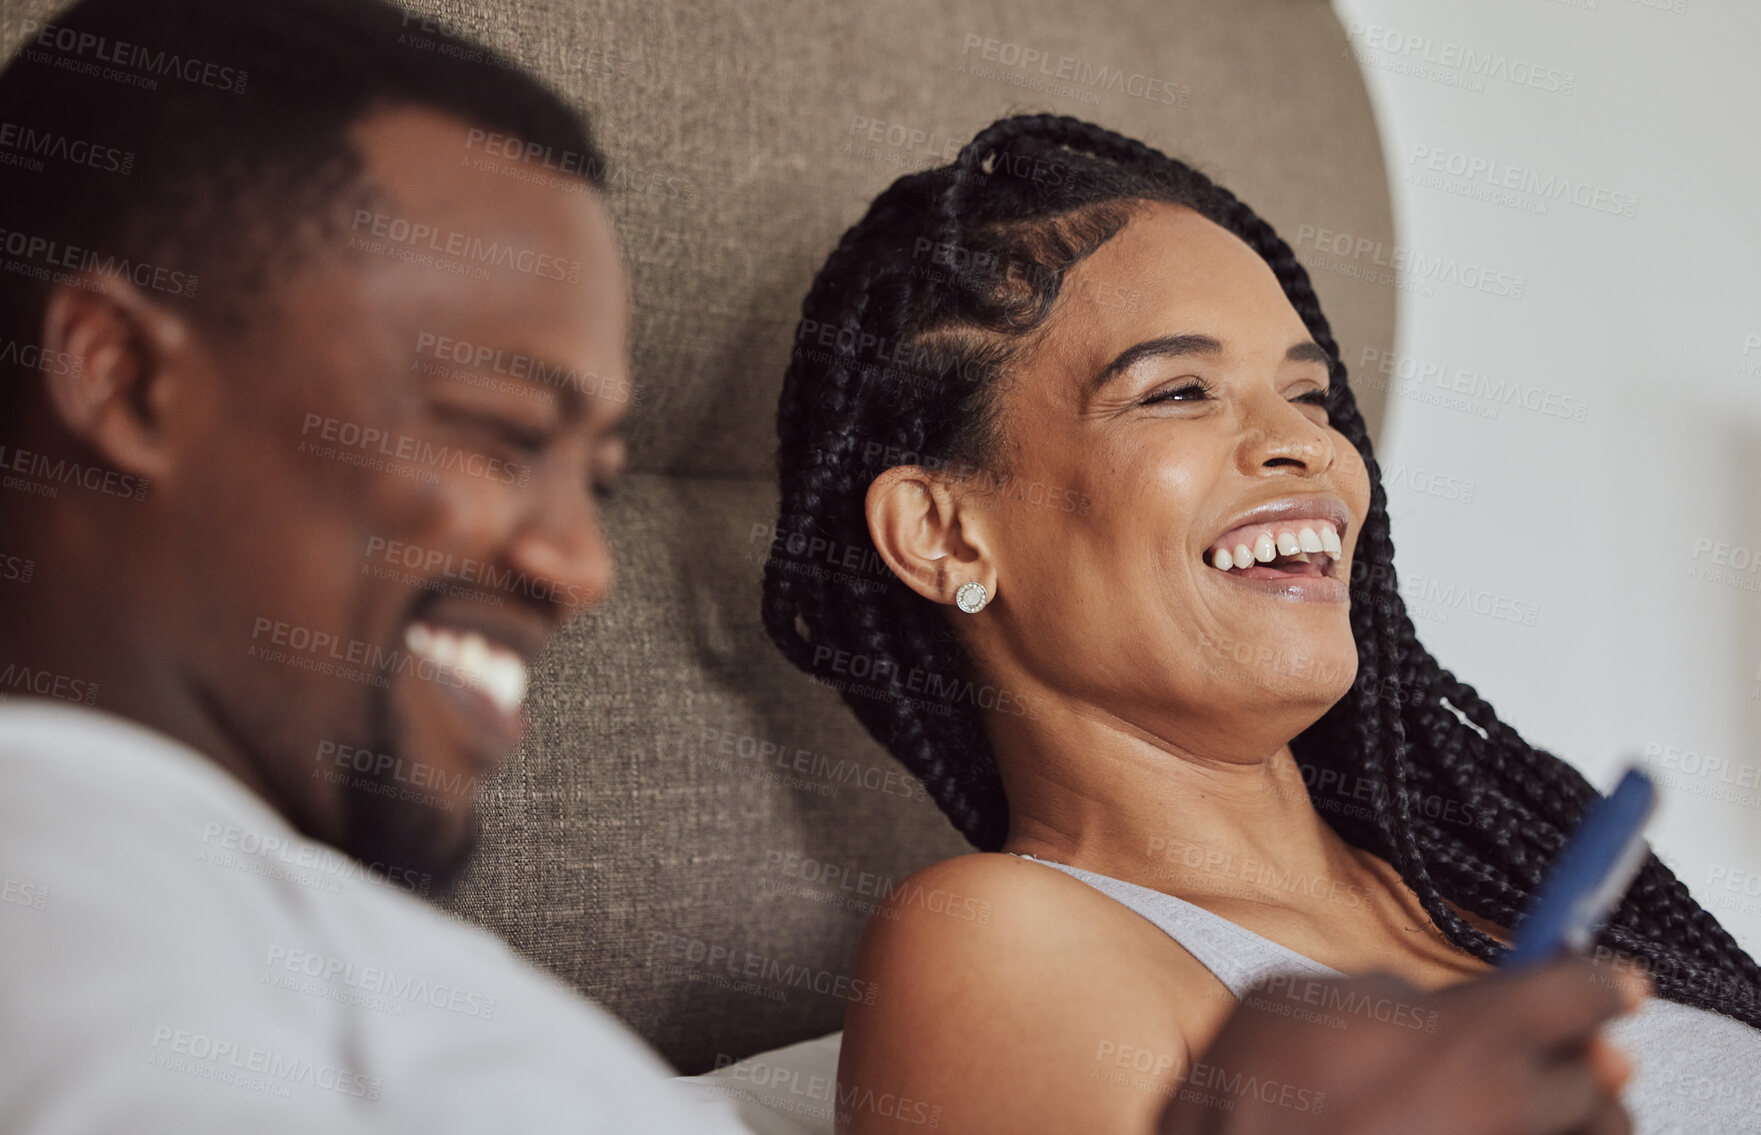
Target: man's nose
563 549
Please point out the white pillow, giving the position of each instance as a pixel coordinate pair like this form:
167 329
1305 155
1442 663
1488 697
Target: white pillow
787 1091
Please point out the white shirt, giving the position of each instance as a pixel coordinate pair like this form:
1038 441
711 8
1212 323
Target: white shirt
175 957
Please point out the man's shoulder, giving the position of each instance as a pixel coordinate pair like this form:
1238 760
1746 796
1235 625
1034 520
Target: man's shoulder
183 946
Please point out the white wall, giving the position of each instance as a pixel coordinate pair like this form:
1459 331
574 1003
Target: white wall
1631 538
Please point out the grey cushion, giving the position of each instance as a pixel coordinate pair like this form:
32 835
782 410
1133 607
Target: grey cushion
649 843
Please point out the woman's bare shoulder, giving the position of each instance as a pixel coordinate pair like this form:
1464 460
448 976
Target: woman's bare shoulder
1012 998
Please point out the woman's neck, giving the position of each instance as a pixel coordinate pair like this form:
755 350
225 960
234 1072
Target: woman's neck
1104 797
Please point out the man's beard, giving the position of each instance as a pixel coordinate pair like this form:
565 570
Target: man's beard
412 836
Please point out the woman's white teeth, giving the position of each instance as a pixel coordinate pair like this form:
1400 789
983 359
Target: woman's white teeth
498 673
1271 544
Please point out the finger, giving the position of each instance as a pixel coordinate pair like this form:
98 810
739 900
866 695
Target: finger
1555 1004
1611 1120
1567 1097
1611 1067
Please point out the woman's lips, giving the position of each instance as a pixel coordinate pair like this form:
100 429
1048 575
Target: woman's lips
1312 587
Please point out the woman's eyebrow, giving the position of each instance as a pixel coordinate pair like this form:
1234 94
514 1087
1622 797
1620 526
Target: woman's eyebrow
1306 351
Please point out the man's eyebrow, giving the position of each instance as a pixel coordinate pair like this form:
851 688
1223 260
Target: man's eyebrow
574 406
1307 351
532 370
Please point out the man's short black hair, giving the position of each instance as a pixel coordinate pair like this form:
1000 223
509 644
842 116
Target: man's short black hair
201 146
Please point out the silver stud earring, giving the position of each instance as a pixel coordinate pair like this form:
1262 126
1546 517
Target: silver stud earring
971 597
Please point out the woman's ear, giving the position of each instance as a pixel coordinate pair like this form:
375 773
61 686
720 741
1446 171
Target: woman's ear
929 534
112 397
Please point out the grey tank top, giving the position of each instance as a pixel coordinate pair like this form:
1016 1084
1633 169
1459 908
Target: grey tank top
1694 1072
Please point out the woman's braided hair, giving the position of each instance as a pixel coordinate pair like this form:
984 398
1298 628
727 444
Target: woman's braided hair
906 337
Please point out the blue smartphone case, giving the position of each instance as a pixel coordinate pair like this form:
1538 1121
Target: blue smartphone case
1590 876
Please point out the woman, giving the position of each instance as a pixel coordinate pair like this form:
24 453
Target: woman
1142 637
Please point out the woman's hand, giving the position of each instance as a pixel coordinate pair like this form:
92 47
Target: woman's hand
1498 1055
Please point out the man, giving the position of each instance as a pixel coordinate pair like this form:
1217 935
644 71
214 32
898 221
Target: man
314 335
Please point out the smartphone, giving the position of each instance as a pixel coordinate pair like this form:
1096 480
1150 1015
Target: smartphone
1590 876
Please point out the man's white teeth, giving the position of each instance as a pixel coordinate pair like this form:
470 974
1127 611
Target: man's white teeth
494 671
1270 544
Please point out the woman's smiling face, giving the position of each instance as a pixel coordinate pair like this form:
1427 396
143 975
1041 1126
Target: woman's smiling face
1173 407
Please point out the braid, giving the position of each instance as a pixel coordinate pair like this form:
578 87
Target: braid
898 357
